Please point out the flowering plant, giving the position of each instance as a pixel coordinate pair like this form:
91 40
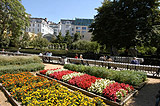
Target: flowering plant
54 70
69 76
116 91
100 85
58 75
36 91
83 81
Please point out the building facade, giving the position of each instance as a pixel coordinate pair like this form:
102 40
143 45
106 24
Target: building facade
39 25
67 26
76 26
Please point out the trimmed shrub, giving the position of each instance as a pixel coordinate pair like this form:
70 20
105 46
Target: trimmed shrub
18 60
21 68
125 76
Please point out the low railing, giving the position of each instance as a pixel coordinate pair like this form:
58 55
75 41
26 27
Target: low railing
125 59
151 70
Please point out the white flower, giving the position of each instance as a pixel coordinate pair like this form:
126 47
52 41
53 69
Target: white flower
69 76
100 85
52 71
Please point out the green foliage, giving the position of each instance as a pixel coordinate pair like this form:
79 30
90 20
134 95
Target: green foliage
76 37
68 38
39 42
18 60
32 67
87 45
125 23
60 38
125 76
13 19
146 50
25 40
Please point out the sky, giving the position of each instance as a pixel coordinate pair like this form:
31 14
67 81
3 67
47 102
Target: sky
54 10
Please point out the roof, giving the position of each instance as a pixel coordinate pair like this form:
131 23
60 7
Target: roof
83 22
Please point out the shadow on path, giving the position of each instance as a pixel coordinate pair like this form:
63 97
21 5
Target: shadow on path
146 96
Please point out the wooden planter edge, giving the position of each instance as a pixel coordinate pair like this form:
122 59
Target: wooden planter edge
9 97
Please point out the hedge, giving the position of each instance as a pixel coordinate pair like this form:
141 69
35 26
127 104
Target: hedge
18 60
21 68
131 77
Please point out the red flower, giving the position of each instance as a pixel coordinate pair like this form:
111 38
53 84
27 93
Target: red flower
83 81
58 75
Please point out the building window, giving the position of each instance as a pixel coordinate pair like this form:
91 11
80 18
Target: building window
83 31
67 22
29 29
78 31
33 29
67 26
78 27
33 25
42 30
72 29
82 36
38 30
84 28
38 25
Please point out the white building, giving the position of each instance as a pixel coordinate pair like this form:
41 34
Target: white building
67 26
55 28
39 25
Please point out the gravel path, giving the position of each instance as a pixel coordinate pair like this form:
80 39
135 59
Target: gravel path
144 97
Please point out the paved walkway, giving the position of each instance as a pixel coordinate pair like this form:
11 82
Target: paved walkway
145 97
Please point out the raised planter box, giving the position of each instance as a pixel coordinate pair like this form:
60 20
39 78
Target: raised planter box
90 94
140 86
9 97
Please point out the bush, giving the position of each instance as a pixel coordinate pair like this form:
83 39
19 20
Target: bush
21 68
125 76
18 60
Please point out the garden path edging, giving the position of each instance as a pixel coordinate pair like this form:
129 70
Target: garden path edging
90 94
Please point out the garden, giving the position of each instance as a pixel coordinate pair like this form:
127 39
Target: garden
114 86
28 89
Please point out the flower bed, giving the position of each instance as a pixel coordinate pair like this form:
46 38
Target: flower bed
131 77
96 85
31 90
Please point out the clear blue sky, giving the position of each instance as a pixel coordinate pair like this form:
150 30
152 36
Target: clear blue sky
54 10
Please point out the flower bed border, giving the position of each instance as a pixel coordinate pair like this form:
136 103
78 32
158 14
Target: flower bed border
90 94
141 85
9 97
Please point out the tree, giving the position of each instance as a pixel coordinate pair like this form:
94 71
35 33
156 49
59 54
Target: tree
87 45
39 41
68 40
59 38
125 23
53 40
76 37
13 19
25 40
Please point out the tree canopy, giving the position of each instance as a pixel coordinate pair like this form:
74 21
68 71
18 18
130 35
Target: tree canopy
13 19
125 23
60 38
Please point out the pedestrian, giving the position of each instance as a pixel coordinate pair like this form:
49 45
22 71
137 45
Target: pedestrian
134 61
81 56
76 56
